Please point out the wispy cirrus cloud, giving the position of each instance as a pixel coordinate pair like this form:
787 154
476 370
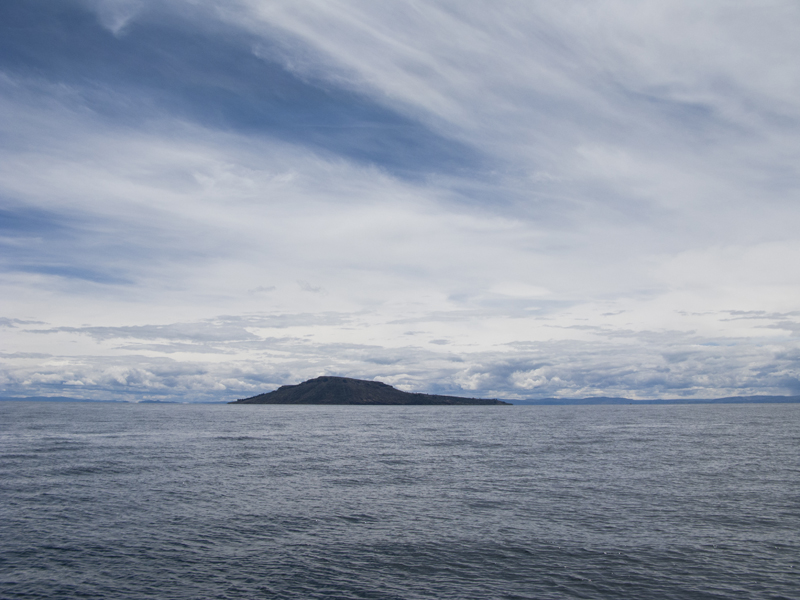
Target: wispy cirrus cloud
557 199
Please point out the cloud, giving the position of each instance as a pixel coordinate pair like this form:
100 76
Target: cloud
197 69
6 322
258 353
307 287
557 199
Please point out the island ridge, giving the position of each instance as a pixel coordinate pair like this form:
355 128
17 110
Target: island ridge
344 390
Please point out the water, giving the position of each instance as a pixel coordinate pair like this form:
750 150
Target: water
187 501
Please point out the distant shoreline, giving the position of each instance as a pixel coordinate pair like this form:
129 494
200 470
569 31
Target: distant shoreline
596 401
600 401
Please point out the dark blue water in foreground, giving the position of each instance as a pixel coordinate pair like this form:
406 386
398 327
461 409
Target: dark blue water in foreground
187 501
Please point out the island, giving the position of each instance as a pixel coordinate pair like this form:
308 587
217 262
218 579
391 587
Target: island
344 390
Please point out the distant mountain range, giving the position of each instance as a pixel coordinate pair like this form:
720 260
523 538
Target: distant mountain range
343 390
58 399
605 400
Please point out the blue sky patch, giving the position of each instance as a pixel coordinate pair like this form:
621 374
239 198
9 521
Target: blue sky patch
161 63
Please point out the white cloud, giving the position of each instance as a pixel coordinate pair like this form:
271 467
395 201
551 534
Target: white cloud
641 180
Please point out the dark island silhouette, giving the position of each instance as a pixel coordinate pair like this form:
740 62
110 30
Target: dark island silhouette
344 390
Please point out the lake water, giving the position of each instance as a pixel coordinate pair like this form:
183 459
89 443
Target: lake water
191 501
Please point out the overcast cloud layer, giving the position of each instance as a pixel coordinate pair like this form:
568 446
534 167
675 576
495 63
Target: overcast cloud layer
204 200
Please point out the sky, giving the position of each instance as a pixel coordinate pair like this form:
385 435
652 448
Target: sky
204 200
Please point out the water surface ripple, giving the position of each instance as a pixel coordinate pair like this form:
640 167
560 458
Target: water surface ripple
194 502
